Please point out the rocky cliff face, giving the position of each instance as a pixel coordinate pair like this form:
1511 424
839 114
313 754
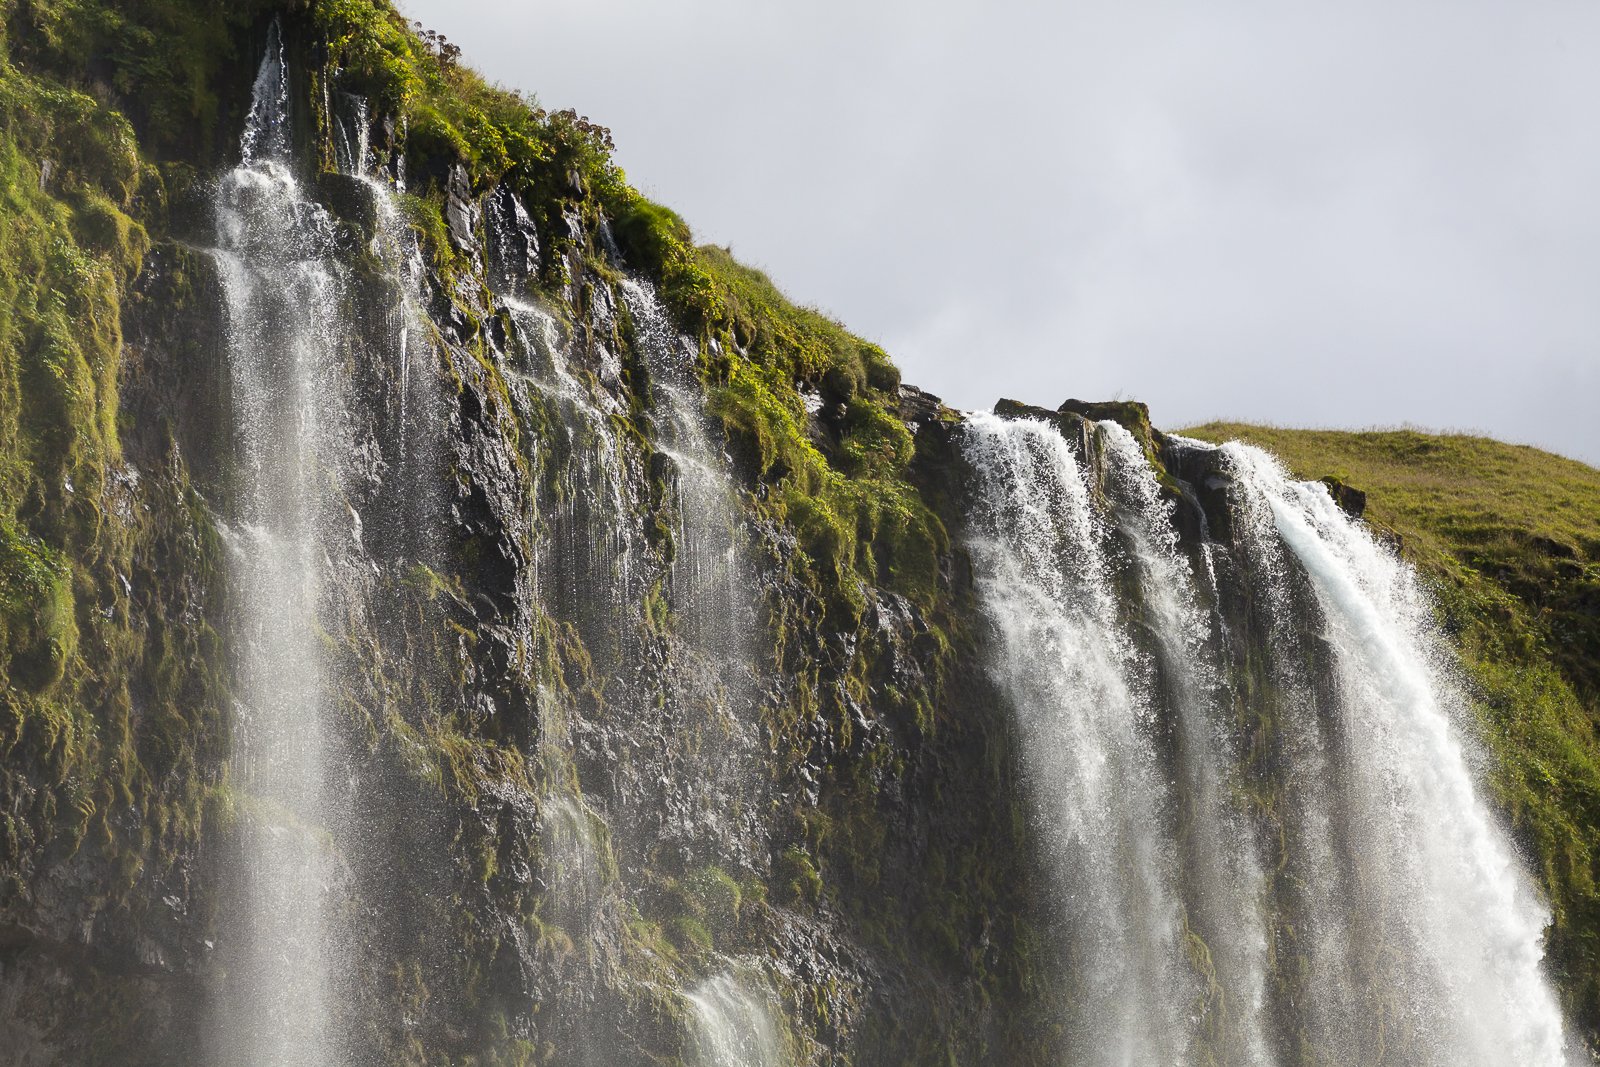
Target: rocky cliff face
601 726
394 497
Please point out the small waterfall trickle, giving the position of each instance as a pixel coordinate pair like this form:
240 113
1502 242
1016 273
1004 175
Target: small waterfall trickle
589 554
709 584
733 1020
713 594
289 525
1081 695
266 127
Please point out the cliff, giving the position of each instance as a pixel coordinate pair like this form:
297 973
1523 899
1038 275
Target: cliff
646 657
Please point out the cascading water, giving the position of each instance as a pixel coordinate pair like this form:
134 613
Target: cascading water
1244 756
709 582
415 426
288 524
733 1023
1081 695
1223 886
590 552
1397 926
1439 928
712 593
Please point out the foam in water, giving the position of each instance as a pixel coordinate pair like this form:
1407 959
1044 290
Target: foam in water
283 294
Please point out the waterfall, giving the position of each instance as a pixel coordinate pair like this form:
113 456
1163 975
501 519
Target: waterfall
590 552
708 579
288 524
1246 754
1223 888
1393 923
733 1024
1081 694
412 431
1439 932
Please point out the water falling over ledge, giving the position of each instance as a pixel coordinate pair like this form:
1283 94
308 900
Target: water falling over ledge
1398 927
283 292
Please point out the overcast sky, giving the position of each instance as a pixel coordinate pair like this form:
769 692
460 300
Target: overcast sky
1349 213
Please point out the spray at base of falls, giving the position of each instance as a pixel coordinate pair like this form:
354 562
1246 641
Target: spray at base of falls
1419 933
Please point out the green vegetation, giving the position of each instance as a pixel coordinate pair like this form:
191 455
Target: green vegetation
71 180
839 478
112 673
1508 539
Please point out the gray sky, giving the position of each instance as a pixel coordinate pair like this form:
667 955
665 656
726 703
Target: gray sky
1349 213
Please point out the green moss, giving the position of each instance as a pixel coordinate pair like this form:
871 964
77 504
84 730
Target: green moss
690 937
715 896
447 112
797 877
40 630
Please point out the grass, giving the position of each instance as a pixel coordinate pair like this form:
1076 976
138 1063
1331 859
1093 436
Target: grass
1508 539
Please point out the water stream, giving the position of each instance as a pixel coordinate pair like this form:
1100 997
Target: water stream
288 526
1302 871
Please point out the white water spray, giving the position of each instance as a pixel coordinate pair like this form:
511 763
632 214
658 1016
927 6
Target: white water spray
1398 927
289 523
1080 695
734 1024
1434 882
1222 885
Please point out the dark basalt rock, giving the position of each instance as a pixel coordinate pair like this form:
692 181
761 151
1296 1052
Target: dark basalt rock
1351 499
918 406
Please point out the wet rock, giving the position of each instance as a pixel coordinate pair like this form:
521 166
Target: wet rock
919 406
461 211
1351 499
350 200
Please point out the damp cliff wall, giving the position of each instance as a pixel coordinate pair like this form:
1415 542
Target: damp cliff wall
653 695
